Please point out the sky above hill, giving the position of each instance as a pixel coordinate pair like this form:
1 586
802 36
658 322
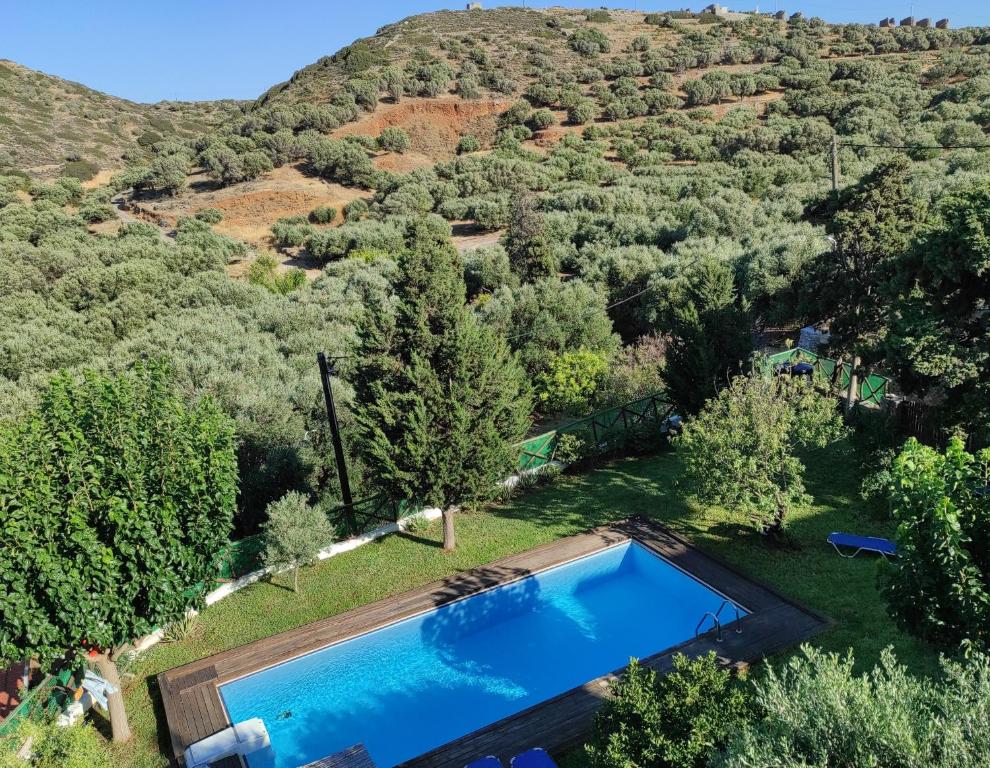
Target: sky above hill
210 49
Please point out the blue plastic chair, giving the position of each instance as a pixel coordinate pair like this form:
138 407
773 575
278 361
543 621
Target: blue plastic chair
485 762
858 544
533 758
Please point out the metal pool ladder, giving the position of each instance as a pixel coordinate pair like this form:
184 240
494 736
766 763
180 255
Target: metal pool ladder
716 620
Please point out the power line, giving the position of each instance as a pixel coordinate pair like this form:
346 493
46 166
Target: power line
915 146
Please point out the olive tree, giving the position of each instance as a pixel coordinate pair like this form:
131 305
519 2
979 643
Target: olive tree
294 534
741 450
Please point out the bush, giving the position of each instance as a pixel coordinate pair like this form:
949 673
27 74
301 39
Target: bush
210 215
323 214
294 534
816 712
571 381
291 231
394 140
582 112
597 15
264 272
487 269
542 118
355 209
677 721
84 170
467 144
589 42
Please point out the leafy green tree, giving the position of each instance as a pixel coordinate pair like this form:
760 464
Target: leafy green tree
571 381
937 587
527 241
116 499
740 451
294 534
678 720
709 332
939 340
441 397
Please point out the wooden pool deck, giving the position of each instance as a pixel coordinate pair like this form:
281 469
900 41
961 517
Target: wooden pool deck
193 709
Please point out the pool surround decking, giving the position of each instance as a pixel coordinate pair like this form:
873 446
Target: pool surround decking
193 708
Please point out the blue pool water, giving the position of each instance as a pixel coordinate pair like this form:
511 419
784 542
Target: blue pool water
417 684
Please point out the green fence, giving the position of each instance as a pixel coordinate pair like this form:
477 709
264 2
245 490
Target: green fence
46 698
603 428
872 388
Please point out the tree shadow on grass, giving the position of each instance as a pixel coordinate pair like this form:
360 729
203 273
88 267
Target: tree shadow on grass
427 542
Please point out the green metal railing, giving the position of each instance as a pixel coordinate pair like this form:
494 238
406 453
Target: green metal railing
872 388
602 428
43 700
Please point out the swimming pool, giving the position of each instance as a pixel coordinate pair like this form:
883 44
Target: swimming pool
414 685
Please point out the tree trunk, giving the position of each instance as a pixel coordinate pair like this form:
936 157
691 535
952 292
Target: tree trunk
853 394
295 579
115 701
449 540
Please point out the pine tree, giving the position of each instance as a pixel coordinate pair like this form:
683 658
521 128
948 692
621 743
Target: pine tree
527 243
441 397
710 337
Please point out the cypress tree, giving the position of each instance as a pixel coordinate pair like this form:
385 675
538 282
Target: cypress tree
441 397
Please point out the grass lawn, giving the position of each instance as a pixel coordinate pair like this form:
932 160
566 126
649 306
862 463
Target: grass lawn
842 589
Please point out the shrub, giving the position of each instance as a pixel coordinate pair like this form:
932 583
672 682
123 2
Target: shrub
291 231
542 118
355 209
597 15
571 381
264 272
294 534
589 42
582 112
937 587
487 269
816 712
210 215
323 214
84 170
93 211
677 721
394 140
467 144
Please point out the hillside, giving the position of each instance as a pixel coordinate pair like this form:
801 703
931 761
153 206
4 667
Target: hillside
600 173
46 122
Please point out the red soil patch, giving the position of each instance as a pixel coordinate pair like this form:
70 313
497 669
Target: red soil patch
433 125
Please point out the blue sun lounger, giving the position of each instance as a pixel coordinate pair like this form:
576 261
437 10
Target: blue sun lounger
485 762
533 758
857 544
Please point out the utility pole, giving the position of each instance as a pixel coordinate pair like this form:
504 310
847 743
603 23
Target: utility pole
835 164
338 446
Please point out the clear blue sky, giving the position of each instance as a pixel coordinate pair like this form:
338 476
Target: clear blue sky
206 49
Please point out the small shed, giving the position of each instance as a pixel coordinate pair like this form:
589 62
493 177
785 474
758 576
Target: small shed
908 22
942 24
924 23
